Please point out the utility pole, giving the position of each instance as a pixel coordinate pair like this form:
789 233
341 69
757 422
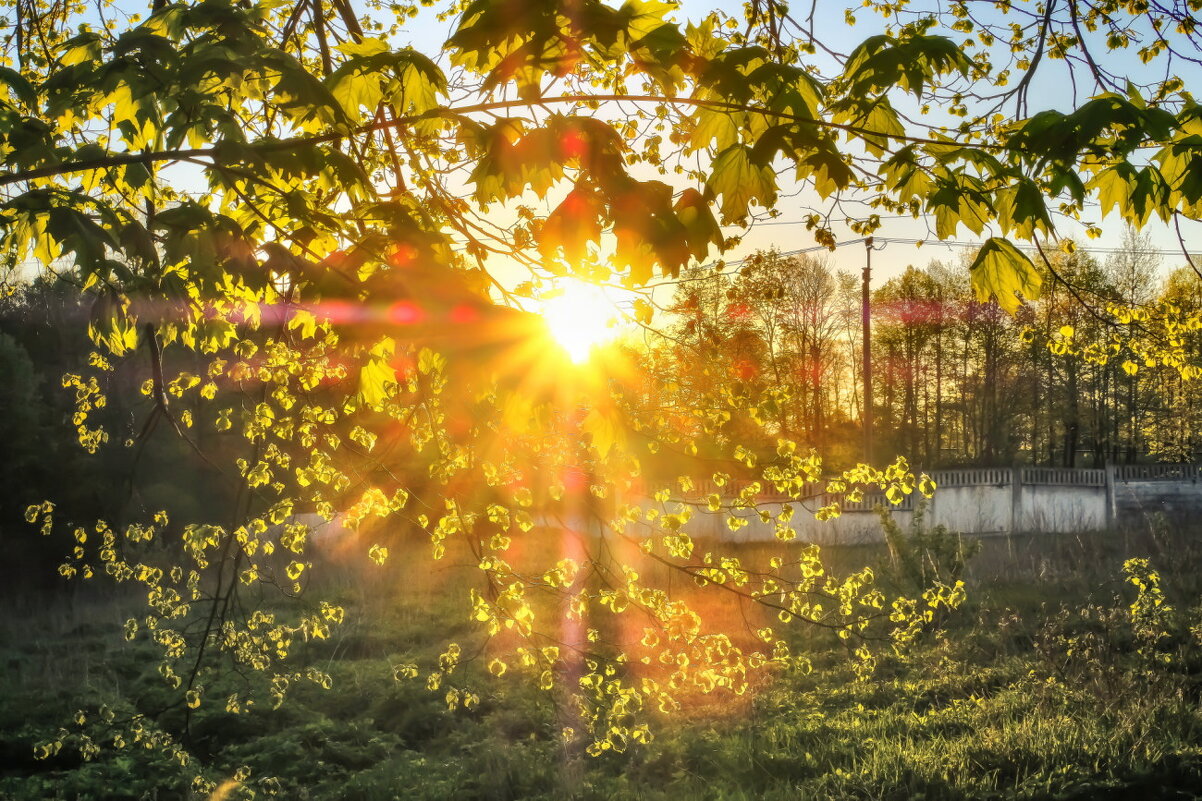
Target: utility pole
866 320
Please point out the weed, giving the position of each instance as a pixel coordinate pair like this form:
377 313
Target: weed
1082 686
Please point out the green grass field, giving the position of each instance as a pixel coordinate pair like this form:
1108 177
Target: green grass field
1044 686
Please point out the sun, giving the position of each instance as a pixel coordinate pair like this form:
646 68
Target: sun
580 317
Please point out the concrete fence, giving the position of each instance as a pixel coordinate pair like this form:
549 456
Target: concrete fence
981 501
995 500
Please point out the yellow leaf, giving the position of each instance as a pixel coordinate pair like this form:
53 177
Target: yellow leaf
604 430
378 554
1000 270
305 321
375 378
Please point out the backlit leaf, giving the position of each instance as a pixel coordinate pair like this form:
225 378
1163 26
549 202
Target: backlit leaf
740 181
1001 270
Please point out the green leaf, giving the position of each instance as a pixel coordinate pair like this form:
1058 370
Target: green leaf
1000 270
793 140
19 86
647 229
875 124
662 53
701 228
111 325
421 82
82 49
574 223
882 62
1181 165
828 170
1021 209
1114 186
717 126
739 181
364 48
905 177
1150 196
959 199
356 90
80 234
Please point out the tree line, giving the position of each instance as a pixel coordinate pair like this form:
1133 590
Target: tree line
956 381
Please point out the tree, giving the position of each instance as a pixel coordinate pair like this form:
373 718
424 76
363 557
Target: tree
1172 423
793 300
299 233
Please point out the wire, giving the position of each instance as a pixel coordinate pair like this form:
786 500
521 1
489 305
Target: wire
955 243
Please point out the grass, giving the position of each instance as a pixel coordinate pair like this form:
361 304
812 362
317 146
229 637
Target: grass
1040 688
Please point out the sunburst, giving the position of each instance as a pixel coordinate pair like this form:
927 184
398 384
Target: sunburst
580 317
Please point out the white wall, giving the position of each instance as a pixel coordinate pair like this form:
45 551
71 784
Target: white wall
1063 509
983 501
972 509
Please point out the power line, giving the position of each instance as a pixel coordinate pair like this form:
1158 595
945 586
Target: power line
958 243
729 267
